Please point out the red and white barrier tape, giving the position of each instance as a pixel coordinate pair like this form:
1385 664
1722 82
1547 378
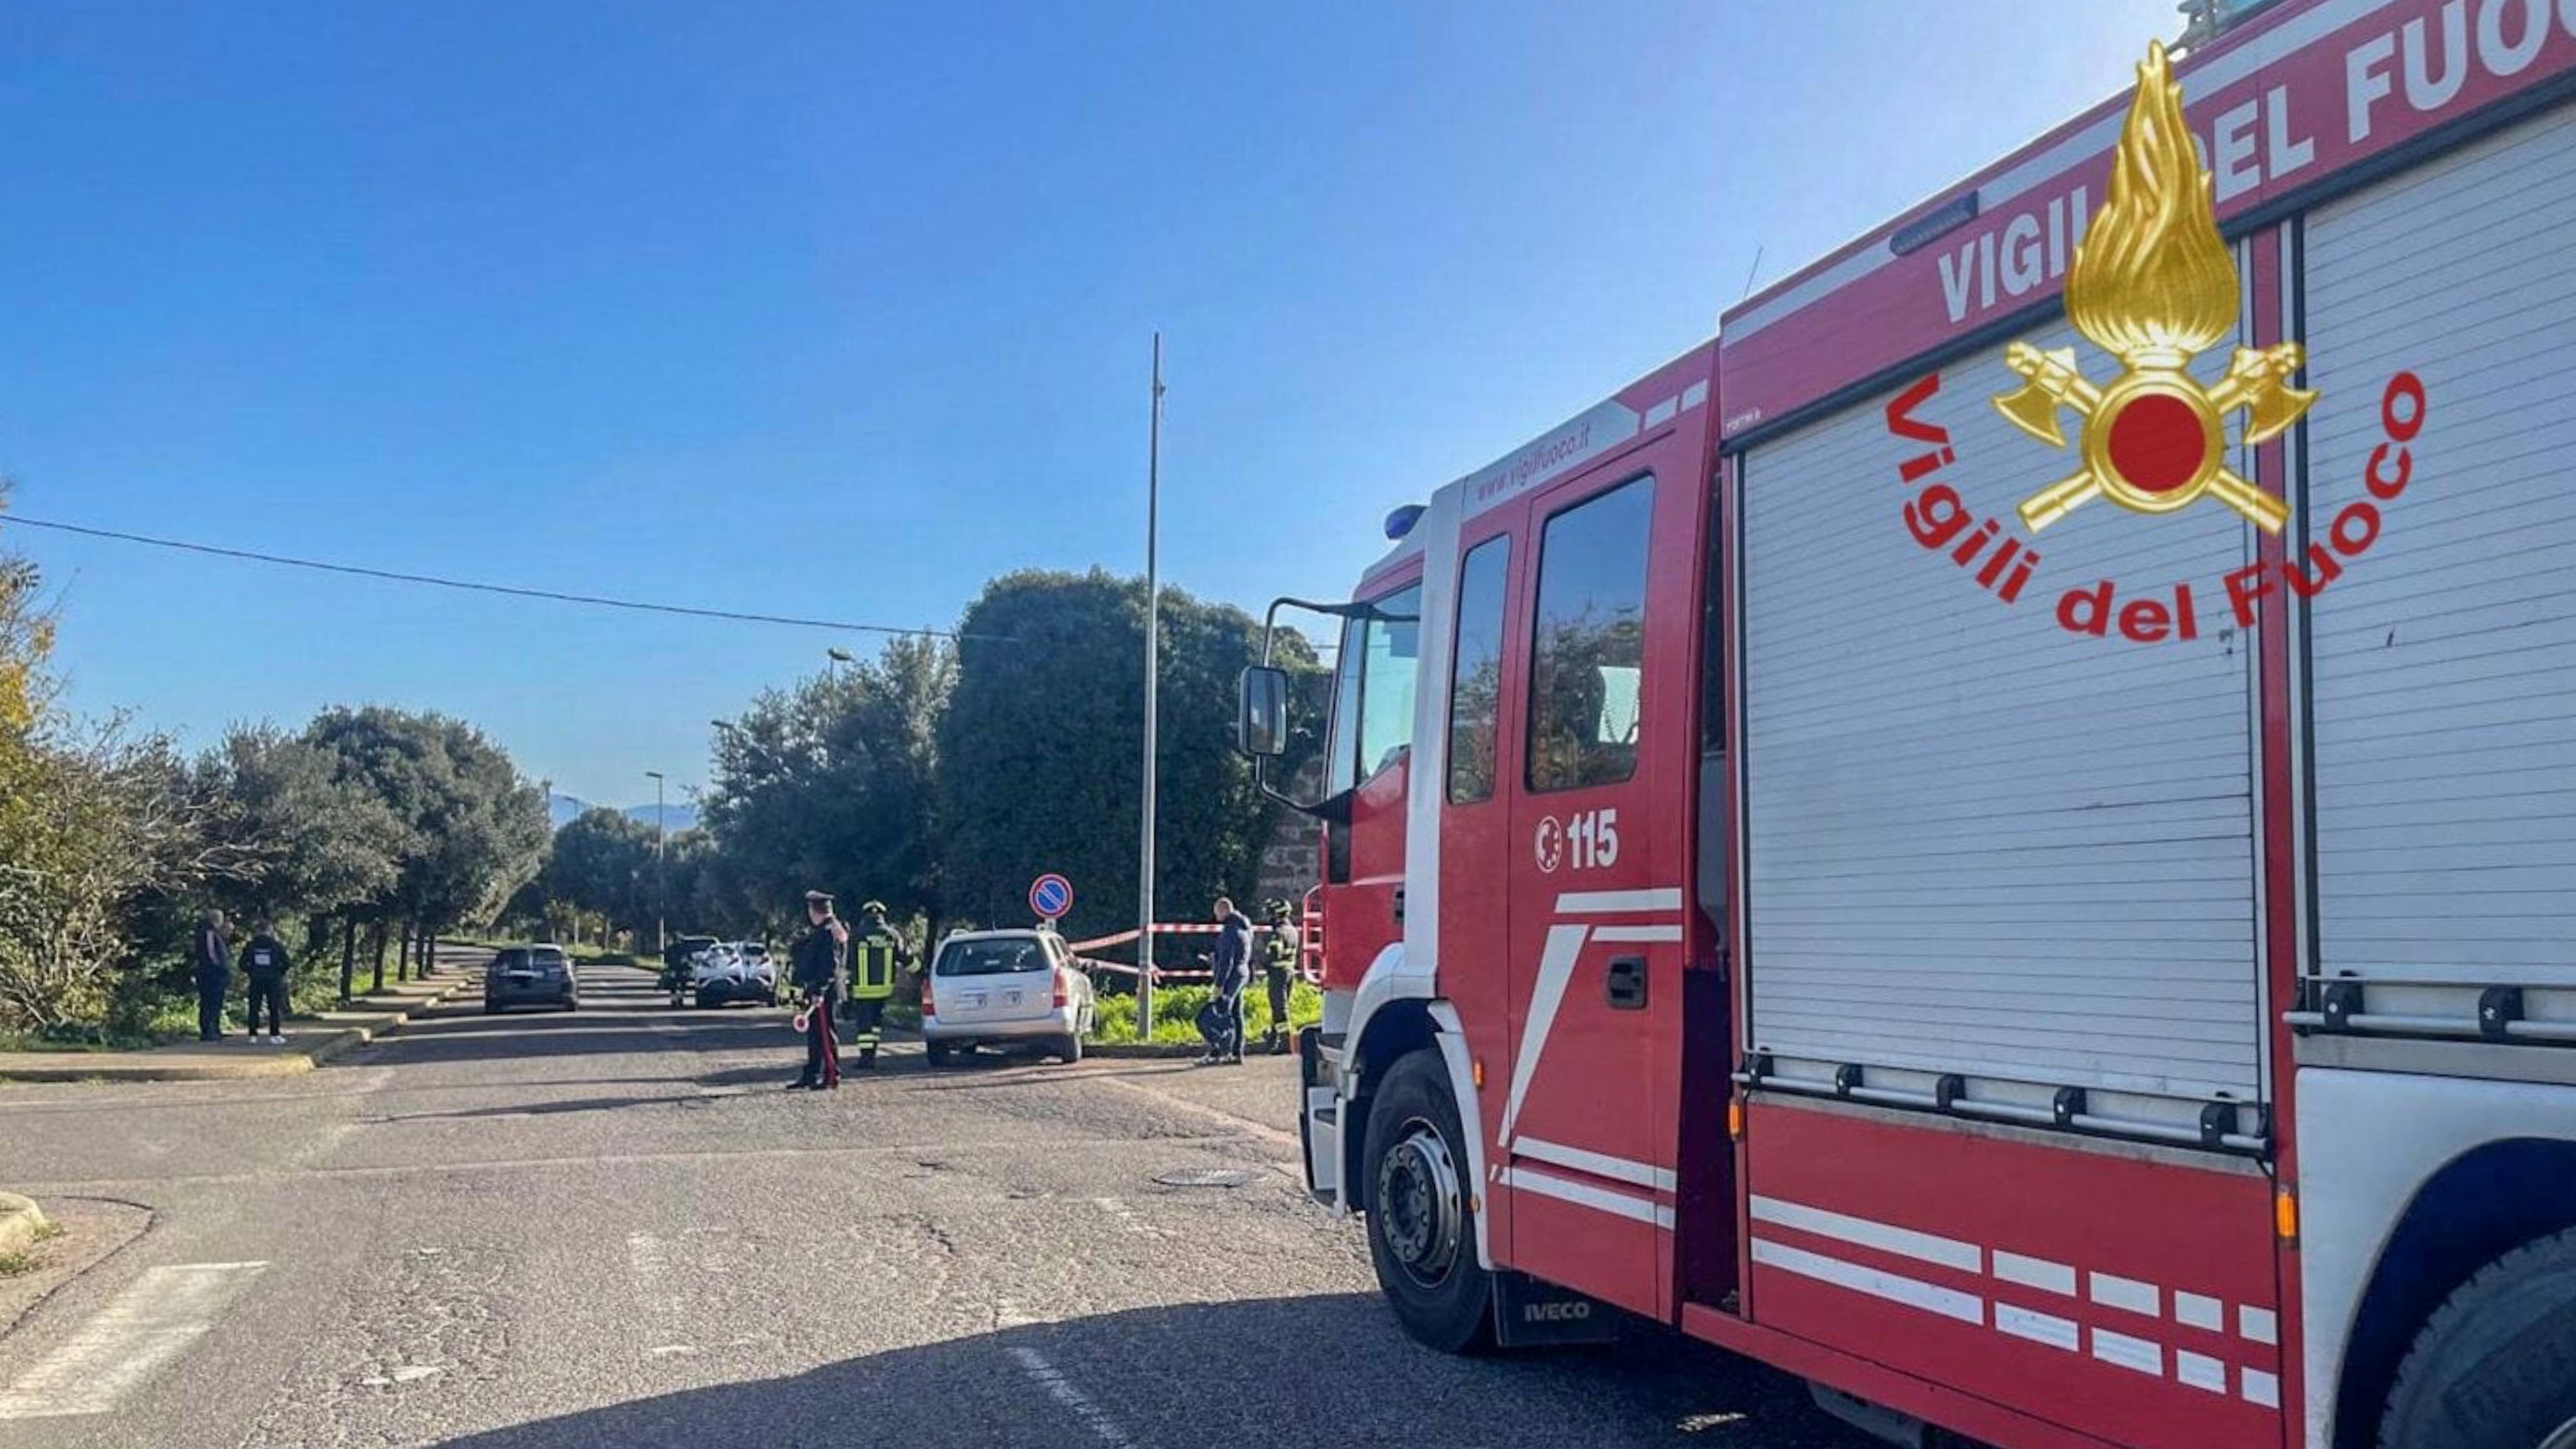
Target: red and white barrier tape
1161 928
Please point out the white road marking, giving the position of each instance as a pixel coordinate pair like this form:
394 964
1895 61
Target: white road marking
652 1271
1245 1125
1127 1218
1063 1390
142 1329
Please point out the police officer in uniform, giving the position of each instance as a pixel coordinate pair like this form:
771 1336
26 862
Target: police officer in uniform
1278 951
816 971
875 952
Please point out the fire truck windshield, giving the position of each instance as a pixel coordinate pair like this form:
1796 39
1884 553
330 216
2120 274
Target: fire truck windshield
1373 688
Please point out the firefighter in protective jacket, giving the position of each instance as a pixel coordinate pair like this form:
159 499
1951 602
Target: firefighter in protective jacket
875 954
1278 953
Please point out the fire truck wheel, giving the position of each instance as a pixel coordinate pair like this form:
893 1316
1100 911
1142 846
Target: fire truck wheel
2495 1367
1421 1214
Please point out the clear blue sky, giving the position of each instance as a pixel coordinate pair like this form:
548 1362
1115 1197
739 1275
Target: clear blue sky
838 309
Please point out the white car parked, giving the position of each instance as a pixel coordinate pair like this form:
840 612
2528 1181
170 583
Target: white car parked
732 971
1005 988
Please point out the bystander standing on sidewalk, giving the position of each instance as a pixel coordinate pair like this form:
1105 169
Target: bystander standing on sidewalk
265 961
1221 1020
210 962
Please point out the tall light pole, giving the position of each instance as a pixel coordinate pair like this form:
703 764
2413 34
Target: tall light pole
839 655
1153 659
660 945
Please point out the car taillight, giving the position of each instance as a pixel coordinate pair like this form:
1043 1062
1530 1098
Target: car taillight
1063 990
926 1008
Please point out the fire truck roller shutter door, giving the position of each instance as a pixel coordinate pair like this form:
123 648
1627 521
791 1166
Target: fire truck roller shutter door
2445 768
1981 843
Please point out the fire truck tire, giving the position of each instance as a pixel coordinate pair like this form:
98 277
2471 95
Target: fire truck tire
2495 1366
1421 1209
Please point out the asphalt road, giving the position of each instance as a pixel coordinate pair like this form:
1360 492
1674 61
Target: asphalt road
612 1229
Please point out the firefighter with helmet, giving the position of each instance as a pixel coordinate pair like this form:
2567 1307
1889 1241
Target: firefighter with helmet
876 951
1278 953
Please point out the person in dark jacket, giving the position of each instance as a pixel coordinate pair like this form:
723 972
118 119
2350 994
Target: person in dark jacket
815 969
265 961
1221 1020
210 963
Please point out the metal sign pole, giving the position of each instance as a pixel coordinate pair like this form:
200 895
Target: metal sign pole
1153 653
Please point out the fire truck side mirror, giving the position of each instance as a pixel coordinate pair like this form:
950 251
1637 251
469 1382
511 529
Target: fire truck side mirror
1261 730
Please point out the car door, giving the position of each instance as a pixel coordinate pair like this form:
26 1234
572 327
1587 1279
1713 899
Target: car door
1595 925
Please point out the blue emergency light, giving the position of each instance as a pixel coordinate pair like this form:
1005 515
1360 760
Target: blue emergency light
1401 521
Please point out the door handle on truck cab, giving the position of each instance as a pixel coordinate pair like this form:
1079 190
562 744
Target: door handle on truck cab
1625 986
1399 905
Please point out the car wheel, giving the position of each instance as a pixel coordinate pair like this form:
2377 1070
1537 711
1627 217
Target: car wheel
1422 1211
573 1005
491 1008
1068 1048
2495 1366
938 1052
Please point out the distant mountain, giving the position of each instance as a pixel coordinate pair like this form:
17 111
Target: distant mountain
677 816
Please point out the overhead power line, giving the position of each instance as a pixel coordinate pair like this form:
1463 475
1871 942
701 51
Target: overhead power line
472 586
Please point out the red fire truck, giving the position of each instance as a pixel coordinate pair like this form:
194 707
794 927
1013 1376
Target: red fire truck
2108 982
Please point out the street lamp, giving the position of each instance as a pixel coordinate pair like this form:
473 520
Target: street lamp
839 655
660 945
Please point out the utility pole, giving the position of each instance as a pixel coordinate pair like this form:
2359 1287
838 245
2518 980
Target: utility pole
1153 659
660 906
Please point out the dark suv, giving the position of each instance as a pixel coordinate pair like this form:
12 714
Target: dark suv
531 976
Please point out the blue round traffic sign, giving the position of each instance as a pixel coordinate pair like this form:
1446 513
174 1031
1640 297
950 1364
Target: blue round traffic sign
1050 896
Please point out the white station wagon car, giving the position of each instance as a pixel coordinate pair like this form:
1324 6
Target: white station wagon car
1005 988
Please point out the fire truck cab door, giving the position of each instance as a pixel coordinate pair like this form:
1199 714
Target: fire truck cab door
1596 912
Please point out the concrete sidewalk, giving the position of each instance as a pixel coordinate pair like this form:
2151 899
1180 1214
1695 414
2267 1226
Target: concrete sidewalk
310 1042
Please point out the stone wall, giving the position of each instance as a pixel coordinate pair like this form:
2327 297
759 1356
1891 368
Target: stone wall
1293 862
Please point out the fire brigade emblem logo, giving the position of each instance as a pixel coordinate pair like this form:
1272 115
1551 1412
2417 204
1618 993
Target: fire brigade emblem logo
2154 285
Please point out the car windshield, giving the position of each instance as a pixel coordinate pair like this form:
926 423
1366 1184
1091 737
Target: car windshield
755 953
994 957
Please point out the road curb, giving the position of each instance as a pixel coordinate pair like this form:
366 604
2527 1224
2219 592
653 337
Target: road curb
1143 1051
20 1222
311 1050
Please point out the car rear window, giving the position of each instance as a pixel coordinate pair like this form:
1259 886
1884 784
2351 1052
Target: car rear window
547 957
992 958
511 960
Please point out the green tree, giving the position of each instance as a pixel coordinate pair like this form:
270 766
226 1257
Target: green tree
323 844
834 783
474 830
603 862
1040 750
